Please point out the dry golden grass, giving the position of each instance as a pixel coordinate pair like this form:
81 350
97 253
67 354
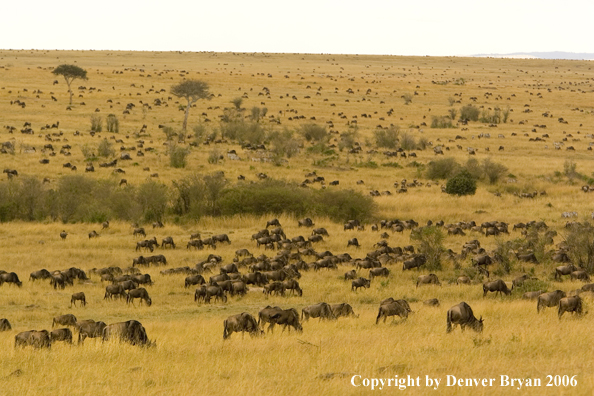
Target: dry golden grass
191 357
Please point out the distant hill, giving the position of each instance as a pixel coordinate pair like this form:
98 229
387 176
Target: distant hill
544 55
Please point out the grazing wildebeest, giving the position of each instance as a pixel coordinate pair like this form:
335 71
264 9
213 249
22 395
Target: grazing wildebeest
352 274
483 259
273 222
580 275
528 258
129 284
22 338
78 297
550 299
321 310
265 314
65 320
343 309
130 331
433 302
63 235
34 338
229 269
168 241
238 287
61 335
139 231
105 225
462 315
90 328
10 277
497 286
219 278
41 274
532 295
254 278
360 282
391 308
196 244
194 280
430 279
140 293
288 317
158 224
375 272
147 244
320 231
275 287
242 322
416 262
143 279
307 222
293 286
194 236
353 242
5 325
221 238
570 304
463 280
588 288
93 234
115 290
243 253
564 270
206 292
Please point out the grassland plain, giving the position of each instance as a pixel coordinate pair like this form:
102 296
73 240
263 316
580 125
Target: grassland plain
191 357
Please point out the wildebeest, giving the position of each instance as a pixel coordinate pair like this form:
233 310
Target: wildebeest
196 244
89 328
34 338
140 293
139 231
61 335
463 280
147 244
320 231
352 274
275 287
528 258
242 322
293 285
41 274
238 287
570 304
353 242
206 292
343 309
286 318
581 275
273 222
462 315
5 325
78 297
391 308
321 310
105 225
497 286
63 235
430 279
254 278
360 282
375 272
307 222
131 331
564 270
93 234
65 320
142 279
550 299
167 241
221 238
115 290
414 262
10 277
194 280
433 302
243 253
265 314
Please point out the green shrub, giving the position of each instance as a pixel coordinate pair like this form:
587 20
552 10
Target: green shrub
105 149
441 122
314 132
469 113
407 142
387 138
493 171
112 124
442 168
178 156
152 198
96 123
283 143
491 118
430 243
461 184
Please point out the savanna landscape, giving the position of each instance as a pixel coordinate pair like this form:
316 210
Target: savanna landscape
472 169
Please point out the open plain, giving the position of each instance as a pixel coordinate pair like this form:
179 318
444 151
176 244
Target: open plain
544 144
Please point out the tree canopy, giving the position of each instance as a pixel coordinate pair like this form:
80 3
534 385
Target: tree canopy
70 73
191 90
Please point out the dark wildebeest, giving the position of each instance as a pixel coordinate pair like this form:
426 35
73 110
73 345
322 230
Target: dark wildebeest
90 328
275 287
105 225
528 258
353 242
375 272
158 224
206 292
462 315
482 259
273 222
194 236
293 285
130 331
430 279
361 282
404 303
34 338
532 295
243 253
570 304
22 338
196 244
352 274
115 290
588 288
564 270
229 269
193 280
65 320
139 231
321 310
307 222
147 244
497 286
255 278
433 302
550 299
143 279
391 308
168 241
242 322
41 274
238 287
221 238
320 231
63 235
265 314
93 234
78 297
61 335
140 293
288 317
414 262
219 278
343 309
581 275
5 325
10 277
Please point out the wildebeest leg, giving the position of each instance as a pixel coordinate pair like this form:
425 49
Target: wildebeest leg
271 328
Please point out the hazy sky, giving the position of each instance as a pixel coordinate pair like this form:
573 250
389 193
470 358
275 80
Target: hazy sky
413 27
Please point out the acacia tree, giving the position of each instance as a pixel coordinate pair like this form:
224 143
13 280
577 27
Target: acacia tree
191 90
70 73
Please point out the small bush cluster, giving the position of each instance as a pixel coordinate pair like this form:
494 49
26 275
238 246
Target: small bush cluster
387 138
461 184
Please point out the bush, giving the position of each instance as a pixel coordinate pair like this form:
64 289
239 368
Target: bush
199 132
441 122
494 118
347 139
387 138
112 124
469 113
189 196
407 98
152 198
169 132
407 142
442 168
96 123
474 168
105 149
243 132
580 240
430 241
214 156
314 132
178 156
461 184
283 143
493 171
88 152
